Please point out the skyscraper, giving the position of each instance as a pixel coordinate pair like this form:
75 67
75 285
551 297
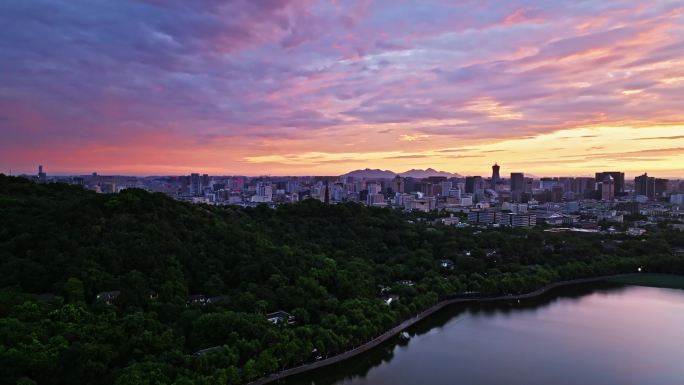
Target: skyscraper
475 185
644 185
470 182
195 184
660 186
618 181
205 181
517 186
584 185
495 175
608 188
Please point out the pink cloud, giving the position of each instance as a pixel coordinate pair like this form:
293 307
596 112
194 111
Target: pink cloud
523 15
288 75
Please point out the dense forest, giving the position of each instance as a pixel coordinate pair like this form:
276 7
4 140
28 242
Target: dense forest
332 267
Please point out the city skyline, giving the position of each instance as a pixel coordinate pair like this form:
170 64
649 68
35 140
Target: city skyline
323 88
505 174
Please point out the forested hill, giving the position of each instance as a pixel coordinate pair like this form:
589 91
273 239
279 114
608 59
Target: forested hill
175 279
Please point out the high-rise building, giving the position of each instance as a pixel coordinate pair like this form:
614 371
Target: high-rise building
495 175
618 181
205 180
583 185
412 185
517 186
454 192
445 187
608 188
42 177
660 186
432 186
473 184
292 186
375 199
195 184
644 185
649 186
373 188
398 184
556 194
264 192
548 183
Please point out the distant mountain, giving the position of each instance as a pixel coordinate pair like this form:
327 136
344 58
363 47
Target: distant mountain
419 174
387 174
371 174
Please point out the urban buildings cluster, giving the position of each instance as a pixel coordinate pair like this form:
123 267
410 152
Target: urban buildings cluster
519 200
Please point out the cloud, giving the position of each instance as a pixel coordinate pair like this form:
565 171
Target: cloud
631 155
417 156
523 15
675 137
241 78
413 137
464 156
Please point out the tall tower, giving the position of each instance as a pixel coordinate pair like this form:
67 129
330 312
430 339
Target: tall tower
42 176
495 175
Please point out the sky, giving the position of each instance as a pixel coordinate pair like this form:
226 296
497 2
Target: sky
297 87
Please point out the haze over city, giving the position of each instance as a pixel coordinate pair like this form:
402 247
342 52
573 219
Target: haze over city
325 87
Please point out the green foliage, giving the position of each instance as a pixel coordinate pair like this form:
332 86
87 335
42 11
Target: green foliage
326 264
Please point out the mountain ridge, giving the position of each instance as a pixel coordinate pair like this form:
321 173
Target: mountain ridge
369 173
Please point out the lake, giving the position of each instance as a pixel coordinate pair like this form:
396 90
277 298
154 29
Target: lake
600 334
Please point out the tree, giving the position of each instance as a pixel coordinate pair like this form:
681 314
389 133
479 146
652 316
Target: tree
214 285
135 291
328 265
74 291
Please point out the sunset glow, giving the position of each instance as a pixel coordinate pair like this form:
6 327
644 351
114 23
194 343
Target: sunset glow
323 87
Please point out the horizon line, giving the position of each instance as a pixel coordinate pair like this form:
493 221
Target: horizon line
458 174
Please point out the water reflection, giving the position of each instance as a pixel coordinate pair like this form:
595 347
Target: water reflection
532 341
566 294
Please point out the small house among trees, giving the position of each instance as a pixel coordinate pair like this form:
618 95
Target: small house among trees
197 299
446 264
107 297
280 317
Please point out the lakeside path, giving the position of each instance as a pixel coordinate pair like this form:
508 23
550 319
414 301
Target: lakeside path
417 318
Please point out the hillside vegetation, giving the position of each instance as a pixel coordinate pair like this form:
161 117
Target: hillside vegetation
328 265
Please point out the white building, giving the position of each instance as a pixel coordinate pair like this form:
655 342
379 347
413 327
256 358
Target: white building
264 193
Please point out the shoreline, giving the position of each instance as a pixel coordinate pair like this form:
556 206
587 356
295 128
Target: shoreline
417 318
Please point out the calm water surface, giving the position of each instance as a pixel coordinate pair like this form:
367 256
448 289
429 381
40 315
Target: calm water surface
601 335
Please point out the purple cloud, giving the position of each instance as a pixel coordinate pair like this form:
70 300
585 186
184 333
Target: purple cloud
78 72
